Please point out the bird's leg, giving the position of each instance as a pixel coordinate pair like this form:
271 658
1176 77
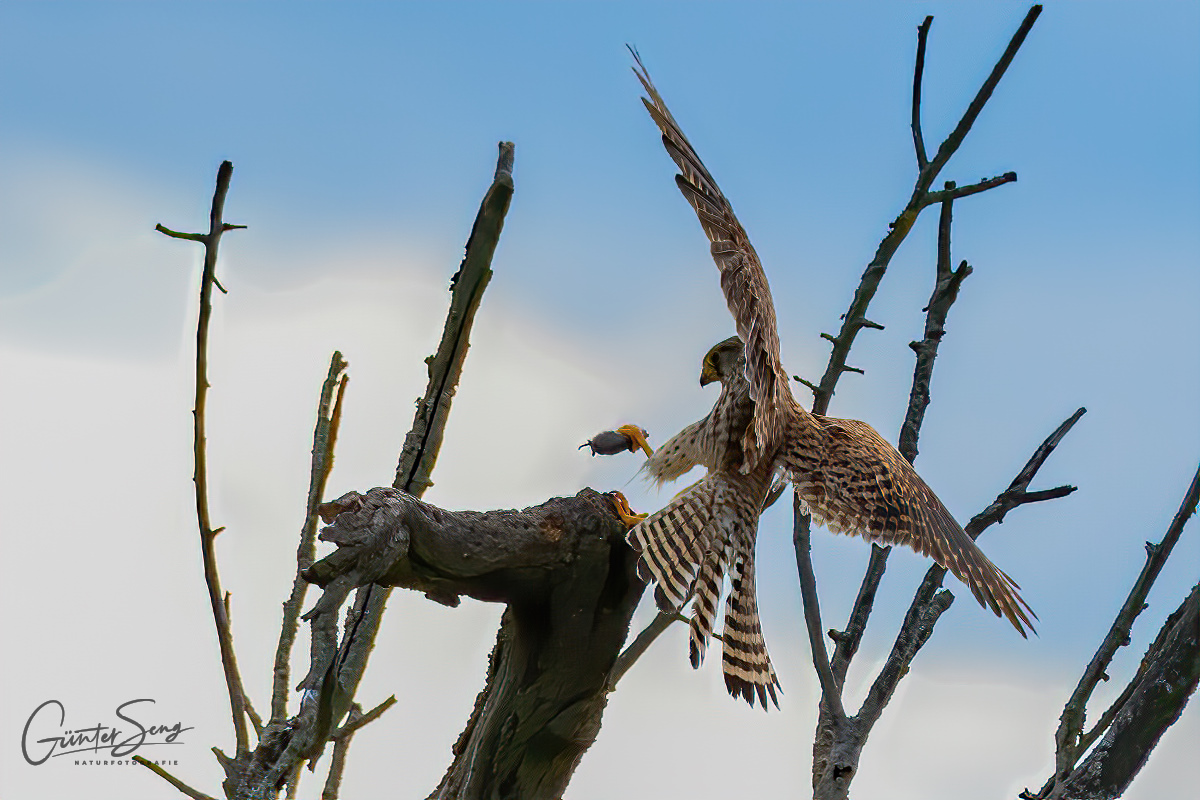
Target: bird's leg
624 511
637 437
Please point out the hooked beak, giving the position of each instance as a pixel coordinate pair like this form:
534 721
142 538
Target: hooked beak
708 374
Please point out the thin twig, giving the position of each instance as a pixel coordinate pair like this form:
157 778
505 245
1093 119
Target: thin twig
253 715
341 744
375 713
1016 494
851 320
1069 745
952 142
171 779
918 137
337 763
211 241
640 644
324 437
953 193
945 291
831 690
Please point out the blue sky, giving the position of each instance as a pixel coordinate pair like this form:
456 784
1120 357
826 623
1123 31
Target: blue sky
363 136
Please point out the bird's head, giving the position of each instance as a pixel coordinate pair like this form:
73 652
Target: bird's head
721 361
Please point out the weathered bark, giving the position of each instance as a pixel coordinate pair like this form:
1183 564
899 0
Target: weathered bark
1072 740
285 743
569 581
1166 680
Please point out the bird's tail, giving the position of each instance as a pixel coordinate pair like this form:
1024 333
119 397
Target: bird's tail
747 667
672 543
686 550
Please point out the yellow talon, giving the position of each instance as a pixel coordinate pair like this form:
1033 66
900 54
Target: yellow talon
624 511
638 437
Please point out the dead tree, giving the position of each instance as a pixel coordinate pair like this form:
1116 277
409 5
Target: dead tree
567 577
1121 740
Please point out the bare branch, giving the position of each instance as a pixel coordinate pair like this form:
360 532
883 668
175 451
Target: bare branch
211 241
341 744
1153 702
952 192
914 633
194 237
1016 494
171 779
640 645
900 227
929 603
337 763
287 743
847 640
840 742
253 716
831 690
918 137
1067 738
356 722
956 137
324 438
945 292
423 442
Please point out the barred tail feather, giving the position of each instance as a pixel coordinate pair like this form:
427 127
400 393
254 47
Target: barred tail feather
747 667
708 595
672 543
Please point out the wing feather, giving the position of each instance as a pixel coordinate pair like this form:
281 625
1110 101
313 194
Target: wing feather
744 659
859 484
742 278
680 453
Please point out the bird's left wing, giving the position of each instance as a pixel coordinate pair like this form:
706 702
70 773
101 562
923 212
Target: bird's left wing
853 481
742 278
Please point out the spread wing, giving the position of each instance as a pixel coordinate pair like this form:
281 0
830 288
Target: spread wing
742 278
853 481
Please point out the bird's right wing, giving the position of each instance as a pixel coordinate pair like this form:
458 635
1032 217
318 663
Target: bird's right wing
742 278
853 481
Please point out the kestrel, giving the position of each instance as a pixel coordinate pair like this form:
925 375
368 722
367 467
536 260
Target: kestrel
847 476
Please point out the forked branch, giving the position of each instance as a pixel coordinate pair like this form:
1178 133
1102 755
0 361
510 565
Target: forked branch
852 320
288 742
217 599
1070 740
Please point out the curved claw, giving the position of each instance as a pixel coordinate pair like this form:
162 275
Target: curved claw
623 510
637 437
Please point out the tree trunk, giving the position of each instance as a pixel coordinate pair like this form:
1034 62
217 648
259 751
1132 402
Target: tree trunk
570 584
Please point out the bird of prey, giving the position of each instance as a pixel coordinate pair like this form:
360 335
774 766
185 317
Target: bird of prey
847 476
